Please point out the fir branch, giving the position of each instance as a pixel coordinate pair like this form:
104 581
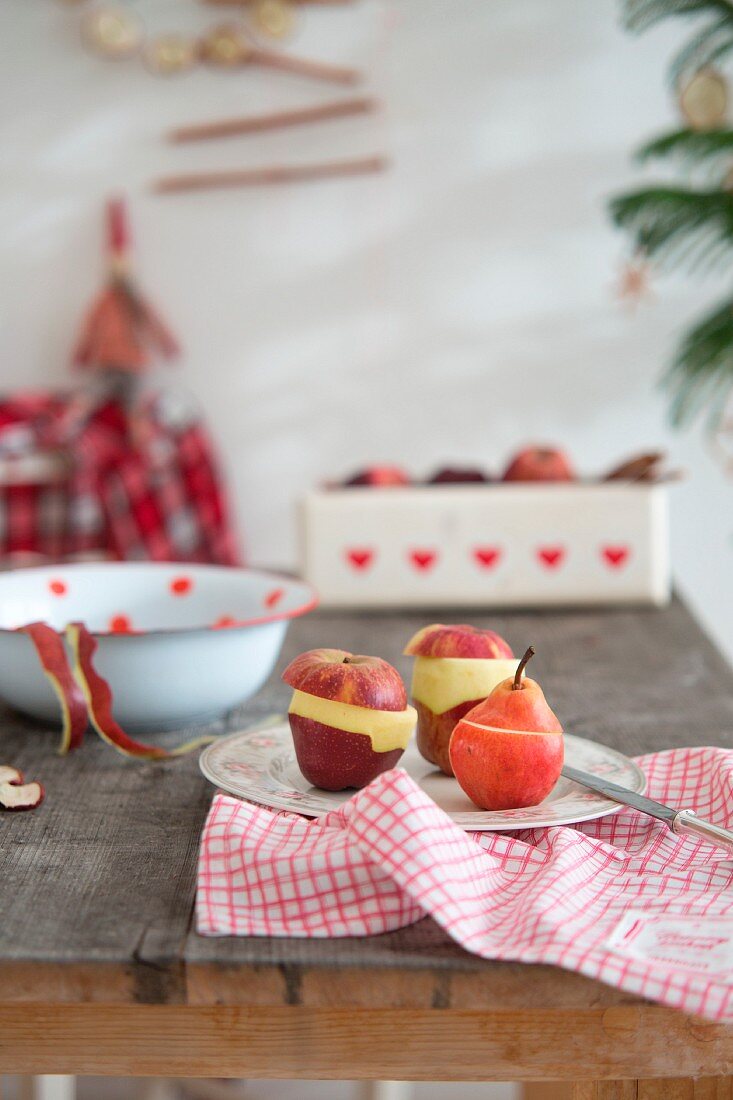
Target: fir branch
708 149
708 46
639 15
702 372
676 225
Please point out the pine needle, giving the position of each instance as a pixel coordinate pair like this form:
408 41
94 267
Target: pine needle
639 15
689 227
693 148
701 374
665 220
709 45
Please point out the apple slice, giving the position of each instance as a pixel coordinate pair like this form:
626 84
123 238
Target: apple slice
14 795
442 683
99 700
49 646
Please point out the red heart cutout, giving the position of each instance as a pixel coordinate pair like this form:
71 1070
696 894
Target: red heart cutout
423 559
615 556
272 599
360 559
487 556
551 556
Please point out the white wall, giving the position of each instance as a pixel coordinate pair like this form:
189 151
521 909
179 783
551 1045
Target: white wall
449 310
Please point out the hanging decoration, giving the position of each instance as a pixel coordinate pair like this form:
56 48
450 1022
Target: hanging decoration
117 32
634 283
119 335
703 100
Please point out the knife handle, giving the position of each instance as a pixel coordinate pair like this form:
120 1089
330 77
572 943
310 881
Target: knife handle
687 823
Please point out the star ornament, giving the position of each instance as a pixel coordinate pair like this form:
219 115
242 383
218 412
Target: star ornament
634 282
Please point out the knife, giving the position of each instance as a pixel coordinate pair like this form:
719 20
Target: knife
682 822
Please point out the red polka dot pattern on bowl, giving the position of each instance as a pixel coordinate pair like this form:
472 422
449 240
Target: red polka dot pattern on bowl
223 622
120 624
181 586
272 599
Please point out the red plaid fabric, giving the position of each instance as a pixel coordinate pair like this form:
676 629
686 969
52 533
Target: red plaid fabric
160 499
389 856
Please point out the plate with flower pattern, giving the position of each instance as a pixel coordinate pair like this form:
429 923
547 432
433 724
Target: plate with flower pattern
259 765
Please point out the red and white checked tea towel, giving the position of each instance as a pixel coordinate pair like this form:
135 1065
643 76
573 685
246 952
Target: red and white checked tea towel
389 856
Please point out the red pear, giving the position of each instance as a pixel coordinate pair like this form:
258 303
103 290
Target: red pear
508 751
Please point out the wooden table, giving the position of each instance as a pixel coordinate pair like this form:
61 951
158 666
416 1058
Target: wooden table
102 972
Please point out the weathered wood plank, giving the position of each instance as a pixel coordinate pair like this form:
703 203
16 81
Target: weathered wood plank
287 1042
701 1088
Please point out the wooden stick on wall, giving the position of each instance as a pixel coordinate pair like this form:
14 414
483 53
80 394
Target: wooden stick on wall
256 124
276 173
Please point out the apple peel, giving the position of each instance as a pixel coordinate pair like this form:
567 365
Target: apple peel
14 794
99 701
49 646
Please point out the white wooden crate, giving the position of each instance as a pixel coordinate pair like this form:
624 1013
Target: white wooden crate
503 545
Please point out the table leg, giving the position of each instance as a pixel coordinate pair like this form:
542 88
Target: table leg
48 1087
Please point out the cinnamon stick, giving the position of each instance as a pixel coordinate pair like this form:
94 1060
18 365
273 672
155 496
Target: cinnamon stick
276 173
255 124
301 66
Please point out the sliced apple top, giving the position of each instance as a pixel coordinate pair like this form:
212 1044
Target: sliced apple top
346 677
443 684
459 640
387 729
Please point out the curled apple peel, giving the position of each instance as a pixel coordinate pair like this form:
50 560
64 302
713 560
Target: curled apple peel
85 697
14 794
49 646
98 696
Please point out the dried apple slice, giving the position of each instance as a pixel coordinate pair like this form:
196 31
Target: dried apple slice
49 646
15 795
10 775
99 703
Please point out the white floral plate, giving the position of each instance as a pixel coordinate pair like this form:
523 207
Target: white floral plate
259 765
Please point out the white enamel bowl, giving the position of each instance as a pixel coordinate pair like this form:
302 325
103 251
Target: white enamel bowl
204 638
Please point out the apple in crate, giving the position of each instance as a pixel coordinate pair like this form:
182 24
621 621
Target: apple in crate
379 477
539 464
508 751
349 717
456 667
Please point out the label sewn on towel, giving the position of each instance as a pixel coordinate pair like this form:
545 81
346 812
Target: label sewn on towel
702 945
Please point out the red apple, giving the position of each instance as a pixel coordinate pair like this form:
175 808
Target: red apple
508 751
380 476
457 475
461 640
539 464
456 667
349 717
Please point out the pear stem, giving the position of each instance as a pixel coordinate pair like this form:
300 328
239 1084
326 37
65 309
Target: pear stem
518 685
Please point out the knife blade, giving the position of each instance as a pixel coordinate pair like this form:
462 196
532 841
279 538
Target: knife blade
682 822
